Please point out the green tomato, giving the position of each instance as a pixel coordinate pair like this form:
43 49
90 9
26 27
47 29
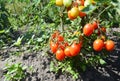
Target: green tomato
87 2
67 3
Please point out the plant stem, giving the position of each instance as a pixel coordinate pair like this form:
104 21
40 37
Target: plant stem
104 11
61 18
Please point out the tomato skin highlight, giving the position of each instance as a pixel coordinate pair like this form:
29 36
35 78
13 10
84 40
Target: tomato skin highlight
88 29
109 45
67 51
98 45
75 49
60 55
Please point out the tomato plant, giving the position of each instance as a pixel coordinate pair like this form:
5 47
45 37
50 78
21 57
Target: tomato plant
83 25
76 28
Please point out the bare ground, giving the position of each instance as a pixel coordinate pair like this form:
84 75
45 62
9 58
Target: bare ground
40 61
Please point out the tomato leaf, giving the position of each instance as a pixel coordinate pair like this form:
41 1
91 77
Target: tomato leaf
102 61
2 31
89 9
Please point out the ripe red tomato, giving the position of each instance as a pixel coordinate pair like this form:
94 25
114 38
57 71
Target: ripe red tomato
62 46
67 51
59 2
60 55
95 25
66 44
60 38
75 49
110 45
88 29
74 12
103 29
53 35
82 14
53 46
98 45
69 15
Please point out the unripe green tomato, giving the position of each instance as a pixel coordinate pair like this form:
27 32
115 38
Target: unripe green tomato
67 3
87 2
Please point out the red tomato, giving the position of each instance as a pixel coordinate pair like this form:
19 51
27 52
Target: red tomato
103 29
88 29
60 38
75 49
98 45
53 35
62 46
53 46
110 45
60 55
82 14
95 25
67 51
66 44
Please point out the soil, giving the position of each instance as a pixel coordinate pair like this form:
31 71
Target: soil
40 62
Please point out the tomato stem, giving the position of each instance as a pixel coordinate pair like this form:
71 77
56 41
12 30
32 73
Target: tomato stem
61 18
103 11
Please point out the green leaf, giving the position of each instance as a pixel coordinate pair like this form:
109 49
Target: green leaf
52 68
89 9
2 31
102 61
83 67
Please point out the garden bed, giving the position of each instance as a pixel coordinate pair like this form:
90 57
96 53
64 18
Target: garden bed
40 65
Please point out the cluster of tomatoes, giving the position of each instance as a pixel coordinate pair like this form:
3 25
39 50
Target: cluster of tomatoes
75 7
61 48
101 42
